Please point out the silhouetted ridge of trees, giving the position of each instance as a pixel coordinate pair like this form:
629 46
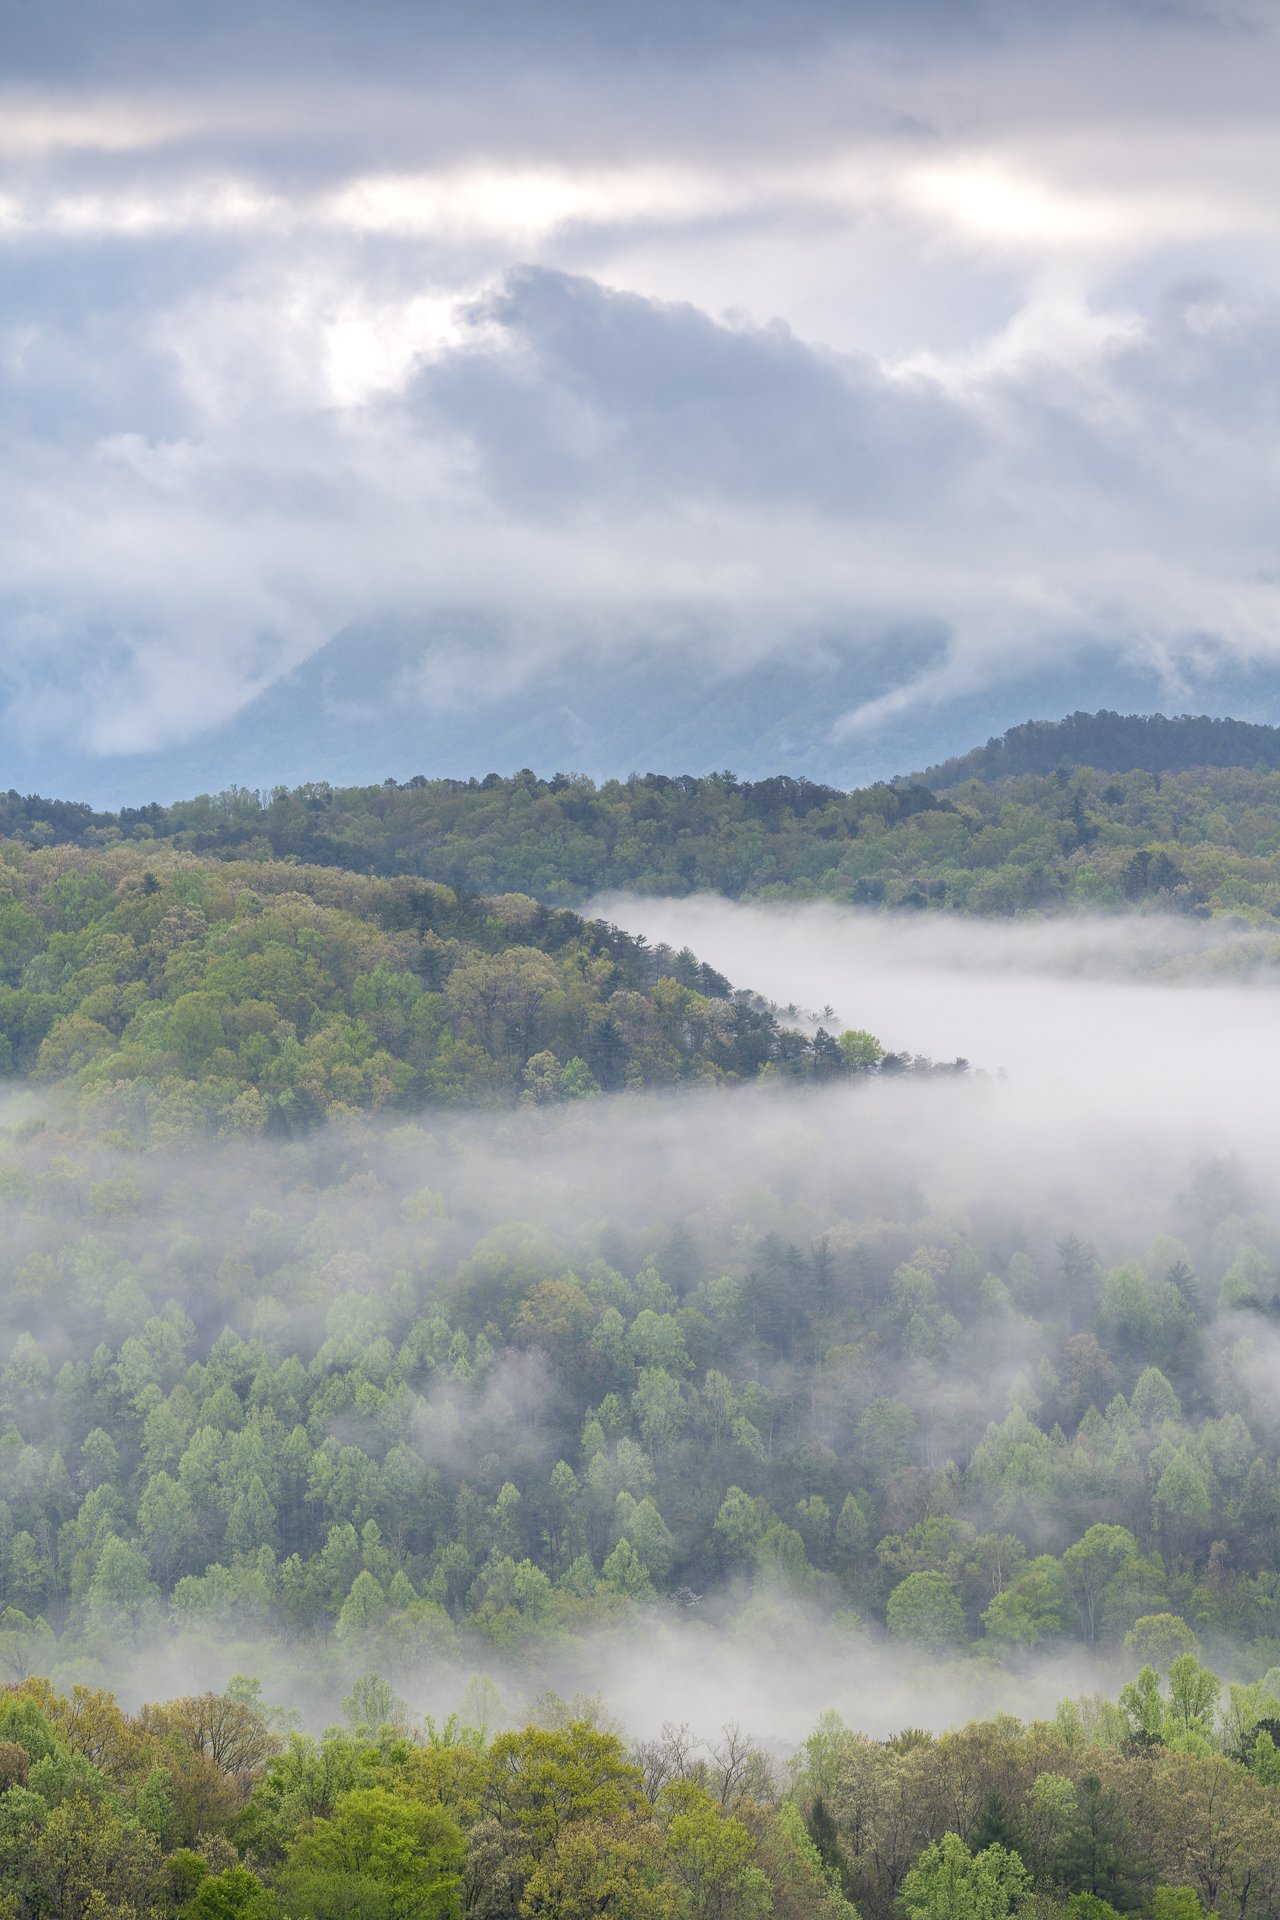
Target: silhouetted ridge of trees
1115 743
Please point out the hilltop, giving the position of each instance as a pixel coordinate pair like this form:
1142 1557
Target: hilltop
1115 743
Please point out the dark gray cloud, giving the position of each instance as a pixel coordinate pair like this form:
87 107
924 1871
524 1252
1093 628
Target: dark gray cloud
573 394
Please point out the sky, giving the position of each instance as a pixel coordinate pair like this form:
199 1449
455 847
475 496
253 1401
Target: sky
728 327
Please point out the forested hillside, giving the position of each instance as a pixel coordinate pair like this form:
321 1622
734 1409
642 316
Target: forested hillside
361 1333
1020 827
192 996
330 1413
349 1396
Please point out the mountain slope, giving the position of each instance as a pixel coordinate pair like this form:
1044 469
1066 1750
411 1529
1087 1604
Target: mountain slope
462 699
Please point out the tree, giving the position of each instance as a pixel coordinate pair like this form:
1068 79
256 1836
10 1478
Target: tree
925 1607
860 1051
803 1887
1095 1560
949 1883
1177 1903
1094 1857
711 1855
166 1522
740 1525
1182 1503
233 1894
1193 1695
1159 1638
362 1610
544 1778
1048 1813
123 1601
599 1867
853 1535
378 1855
1029 1610
577 1082
373 1703
626 1572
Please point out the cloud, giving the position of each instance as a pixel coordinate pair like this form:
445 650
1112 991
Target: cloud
1113 1032
755 325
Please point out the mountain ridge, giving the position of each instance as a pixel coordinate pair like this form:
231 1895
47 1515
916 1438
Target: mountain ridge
462 698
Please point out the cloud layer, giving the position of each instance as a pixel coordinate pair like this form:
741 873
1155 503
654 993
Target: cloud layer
753 326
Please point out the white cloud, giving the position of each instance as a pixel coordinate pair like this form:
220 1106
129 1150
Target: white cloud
267 371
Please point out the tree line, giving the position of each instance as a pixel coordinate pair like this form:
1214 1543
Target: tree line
1009 833
215 1807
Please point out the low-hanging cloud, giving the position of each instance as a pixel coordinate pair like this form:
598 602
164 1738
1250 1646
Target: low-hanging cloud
770 326
1146 1029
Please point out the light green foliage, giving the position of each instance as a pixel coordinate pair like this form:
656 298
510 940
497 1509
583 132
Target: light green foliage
1159 1639
233 1894
1092 1565
197 1001
1178 1903
1030 1609
712 1855
949 1883
376 1854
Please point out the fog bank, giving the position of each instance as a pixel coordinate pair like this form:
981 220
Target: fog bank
1135 1023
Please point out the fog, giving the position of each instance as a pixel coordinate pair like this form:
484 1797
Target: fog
1122 1089
774 1674
1166 1029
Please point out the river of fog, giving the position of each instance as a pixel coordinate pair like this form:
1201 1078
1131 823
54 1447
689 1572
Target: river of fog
1136 1023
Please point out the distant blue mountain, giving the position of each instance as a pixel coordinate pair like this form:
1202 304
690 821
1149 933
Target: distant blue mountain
356 712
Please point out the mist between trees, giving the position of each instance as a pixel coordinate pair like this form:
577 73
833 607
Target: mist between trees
345 1347
936 1376
214 1805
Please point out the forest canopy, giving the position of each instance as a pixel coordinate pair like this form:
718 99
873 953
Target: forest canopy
1101 812
182 996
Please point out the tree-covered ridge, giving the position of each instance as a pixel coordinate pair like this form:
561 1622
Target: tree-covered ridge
1117 743
565 836
1204 844
325 1400
1204 841
264 994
